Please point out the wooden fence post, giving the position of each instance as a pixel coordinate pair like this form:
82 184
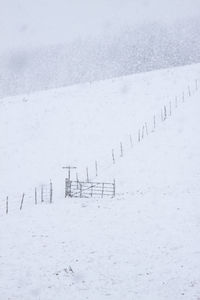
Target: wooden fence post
154 122
113 156
87 173
121 150
189 91
7 205
102 192
77 180
81 190
142 131
51 192
146 127
35 196
139 138
65 187
68 188
170 108
91 190
96 168
165 112
114 188
22 201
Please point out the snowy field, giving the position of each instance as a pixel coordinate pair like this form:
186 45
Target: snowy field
79 125
144 243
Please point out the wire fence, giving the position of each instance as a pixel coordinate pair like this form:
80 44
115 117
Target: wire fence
43 194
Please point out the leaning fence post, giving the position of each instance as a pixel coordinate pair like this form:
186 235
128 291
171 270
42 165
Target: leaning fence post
51 192
142 131
22 201
7 205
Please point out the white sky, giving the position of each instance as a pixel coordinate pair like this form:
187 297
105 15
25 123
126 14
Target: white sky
31 23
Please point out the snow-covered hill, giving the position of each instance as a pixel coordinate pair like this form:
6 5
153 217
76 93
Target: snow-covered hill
79 125
143 244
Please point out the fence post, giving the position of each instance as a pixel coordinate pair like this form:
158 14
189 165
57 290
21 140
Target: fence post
102 192
22 201
139 138
121 150
114 188
142 131
96 168
80 190
91 190
170 108
113 156
7 205
51 192
189 91
165 112
65 187
68 190
77 180
154 122
35 196
146 127
87 173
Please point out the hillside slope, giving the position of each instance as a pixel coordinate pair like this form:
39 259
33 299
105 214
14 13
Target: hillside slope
79 125
143 244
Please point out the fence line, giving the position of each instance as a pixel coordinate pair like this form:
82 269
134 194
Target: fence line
46 193
165 112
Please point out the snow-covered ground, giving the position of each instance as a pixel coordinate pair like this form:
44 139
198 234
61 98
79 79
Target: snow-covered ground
78 125
142 244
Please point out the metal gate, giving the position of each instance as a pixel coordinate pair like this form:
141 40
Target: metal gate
81 189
